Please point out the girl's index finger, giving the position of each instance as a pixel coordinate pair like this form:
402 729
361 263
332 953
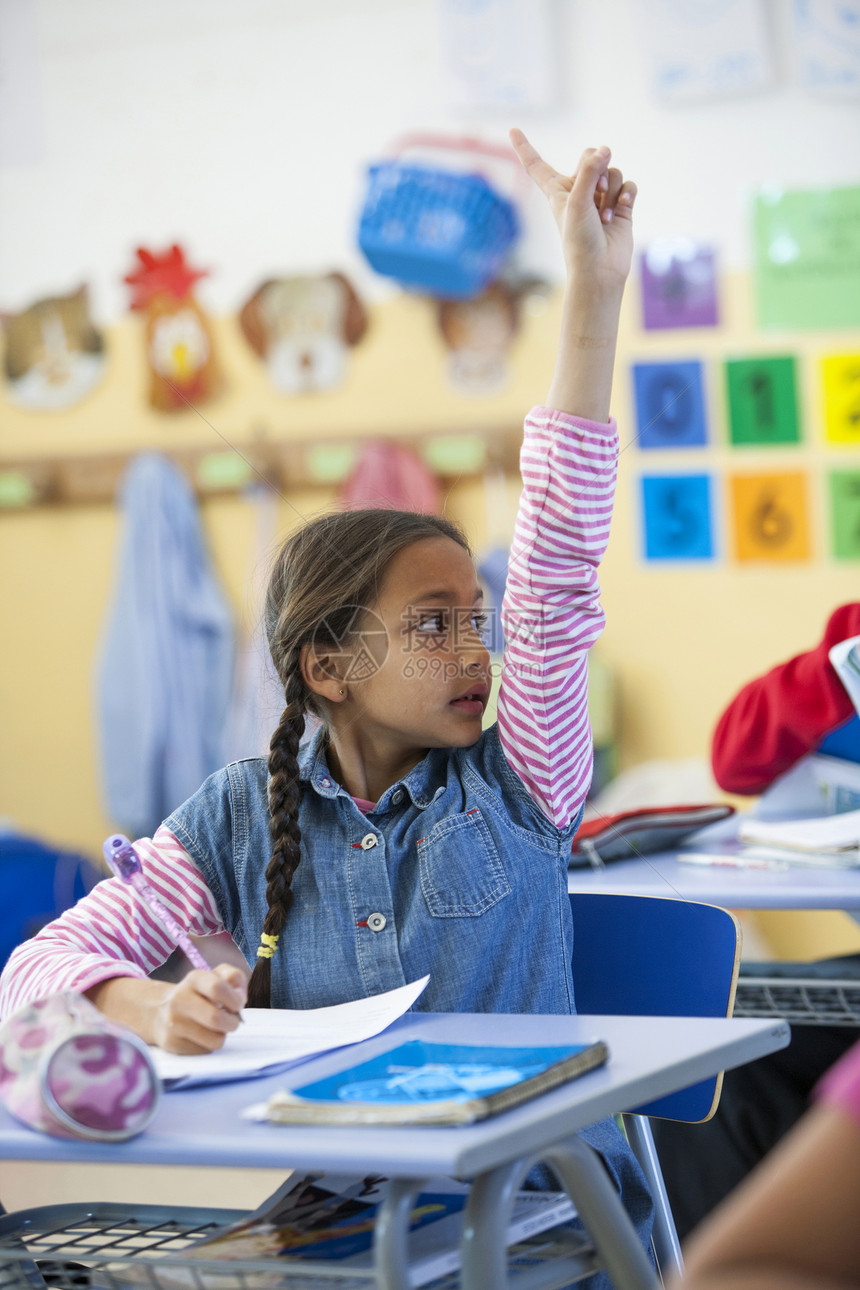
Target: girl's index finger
543 174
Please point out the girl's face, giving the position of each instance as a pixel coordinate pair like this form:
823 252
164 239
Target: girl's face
433 685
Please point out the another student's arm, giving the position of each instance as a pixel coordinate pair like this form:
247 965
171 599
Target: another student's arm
781 716
792 1225
108 943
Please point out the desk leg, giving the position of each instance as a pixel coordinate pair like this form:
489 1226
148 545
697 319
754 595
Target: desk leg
600 1210
391 1235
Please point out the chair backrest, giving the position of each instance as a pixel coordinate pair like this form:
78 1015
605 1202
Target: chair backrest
37 883
653 956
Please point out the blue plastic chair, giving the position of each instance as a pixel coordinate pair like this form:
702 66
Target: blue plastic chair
650 956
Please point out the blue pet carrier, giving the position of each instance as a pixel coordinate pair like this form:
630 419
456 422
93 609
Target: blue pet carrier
444 232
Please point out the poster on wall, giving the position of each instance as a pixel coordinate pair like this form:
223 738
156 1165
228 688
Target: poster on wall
54 353
677 517
670 404
700 49
762 400
827 46
771 516
22 116
807 257
679 284
180 351
499 54
303 327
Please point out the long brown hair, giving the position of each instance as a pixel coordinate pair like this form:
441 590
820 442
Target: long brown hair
321 574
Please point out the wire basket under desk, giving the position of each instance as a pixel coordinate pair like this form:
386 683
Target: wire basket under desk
811 1001
117 1247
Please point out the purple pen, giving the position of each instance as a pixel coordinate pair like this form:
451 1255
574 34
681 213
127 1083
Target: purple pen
125 863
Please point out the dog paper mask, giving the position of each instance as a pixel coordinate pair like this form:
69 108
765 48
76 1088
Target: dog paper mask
302 327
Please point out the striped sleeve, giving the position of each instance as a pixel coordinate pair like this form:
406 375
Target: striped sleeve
551 613
111 932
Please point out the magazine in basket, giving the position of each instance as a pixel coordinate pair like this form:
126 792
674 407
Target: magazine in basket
330 1218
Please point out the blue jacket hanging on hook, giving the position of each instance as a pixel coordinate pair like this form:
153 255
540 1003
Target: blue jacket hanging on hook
164 673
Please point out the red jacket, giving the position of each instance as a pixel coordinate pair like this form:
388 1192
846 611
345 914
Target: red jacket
781 716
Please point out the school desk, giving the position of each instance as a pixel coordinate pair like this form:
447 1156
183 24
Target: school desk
649 1056
663 875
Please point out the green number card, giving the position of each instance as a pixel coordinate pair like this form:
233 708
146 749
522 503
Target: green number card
845 513
762 398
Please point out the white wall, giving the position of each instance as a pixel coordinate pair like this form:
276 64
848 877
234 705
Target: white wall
242 127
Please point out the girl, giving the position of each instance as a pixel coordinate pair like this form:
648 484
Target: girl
403 840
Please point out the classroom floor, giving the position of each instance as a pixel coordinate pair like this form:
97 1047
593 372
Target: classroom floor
25 1184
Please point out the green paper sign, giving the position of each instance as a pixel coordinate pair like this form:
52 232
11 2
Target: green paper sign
223 470
762 398
807 247
845 513
330 463
15 489
453 454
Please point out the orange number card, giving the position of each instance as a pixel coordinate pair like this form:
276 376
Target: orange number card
771 516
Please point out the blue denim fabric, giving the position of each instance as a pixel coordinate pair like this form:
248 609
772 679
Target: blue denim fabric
465 876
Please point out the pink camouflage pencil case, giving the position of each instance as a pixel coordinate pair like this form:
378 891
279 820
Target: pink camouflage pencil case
67 1070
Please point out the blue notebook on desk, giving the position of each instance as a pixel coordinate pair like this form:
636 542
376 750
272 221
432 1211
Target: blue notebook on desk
420 1082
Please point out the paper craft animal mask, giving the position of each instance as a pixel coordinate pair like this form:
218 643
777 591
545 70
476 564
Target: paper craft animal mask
54 354
479 332
180 352
302 328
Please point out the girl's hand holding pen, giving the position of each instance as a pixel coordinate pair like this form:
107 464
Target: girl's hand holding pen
196 1014
193 1016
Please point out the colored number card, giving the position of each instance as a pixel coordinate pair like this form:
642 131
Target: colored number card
679 287
676 511
808 257
762 398
771 516
845 513
670 407
840 380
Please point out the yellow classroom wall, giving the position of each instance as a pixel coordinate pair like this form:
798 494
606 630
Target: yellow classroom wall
680 639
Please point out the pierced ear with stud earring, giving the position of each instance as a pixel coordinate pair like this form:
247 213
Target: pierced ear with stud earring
340 691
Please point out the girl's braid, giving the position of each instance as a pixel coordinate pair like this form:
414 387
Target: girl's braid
284 799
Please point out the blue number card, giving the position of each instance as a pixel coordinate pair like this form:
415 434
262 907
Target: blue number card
677 517
670 405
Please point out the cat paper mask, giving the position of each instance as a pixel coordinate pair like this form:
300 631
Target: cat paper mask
54 354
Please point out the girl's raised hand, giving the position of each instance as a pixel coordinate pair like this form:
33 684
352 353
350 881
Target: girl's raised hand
593 208
197 1014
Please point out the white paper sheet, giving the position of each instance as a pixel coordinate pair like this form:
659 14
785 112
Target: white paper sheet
273 1039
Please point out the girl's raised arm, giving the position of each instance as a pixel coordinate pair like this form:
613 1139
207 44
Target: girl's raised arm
551 612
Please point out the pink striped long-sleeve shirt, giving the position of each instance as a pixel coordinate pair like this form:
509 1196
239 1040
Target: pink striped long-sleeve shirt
551 617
